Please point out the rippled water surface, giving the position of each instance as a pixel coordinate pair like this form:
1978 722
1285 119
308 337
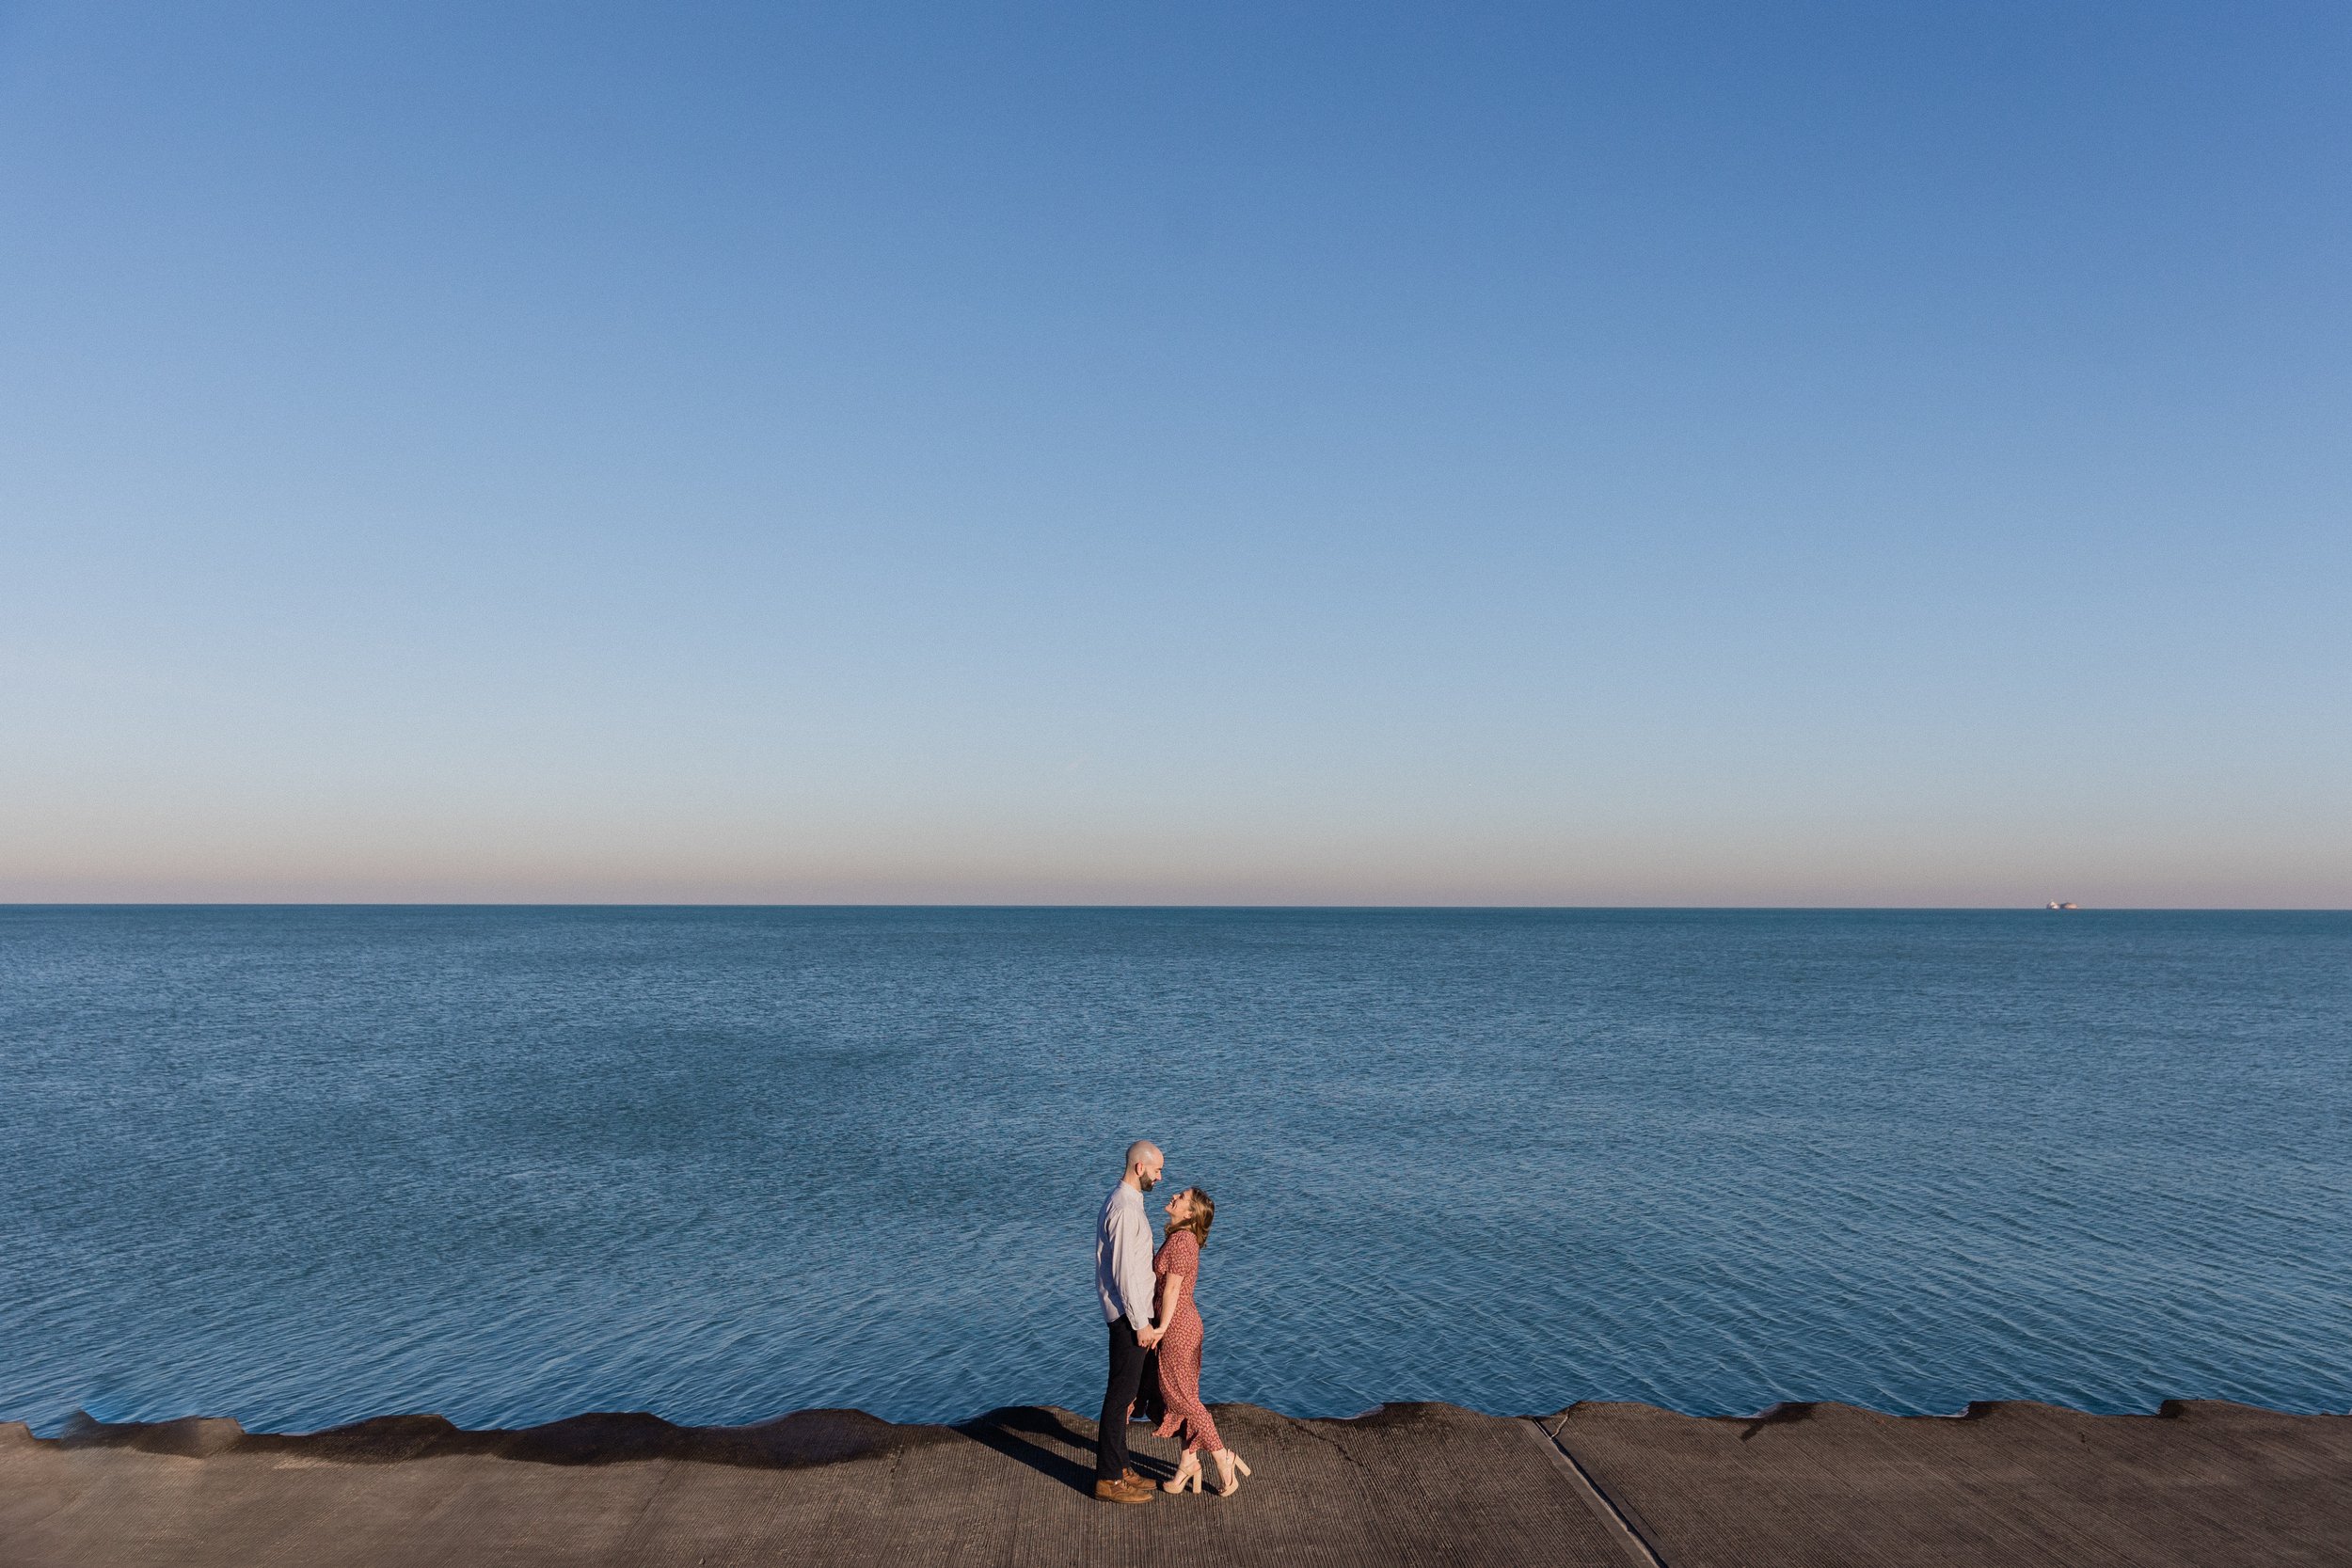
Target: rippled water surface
305 1165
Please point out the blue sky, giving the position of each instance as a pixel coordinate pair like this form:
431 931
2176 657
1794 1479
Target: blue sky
1571 453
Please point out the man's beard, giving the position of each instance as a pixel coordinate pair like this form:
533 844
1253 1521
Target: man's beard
1146 1182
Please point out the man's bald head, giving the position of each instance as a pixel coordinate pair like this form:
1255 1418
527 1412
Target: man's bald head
1143 1164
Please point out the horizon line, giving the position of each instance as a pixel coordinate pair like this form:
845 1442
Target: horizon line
1202 908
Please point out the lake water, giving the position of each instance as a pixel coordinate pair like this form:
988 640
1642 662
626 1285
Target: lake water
303 1165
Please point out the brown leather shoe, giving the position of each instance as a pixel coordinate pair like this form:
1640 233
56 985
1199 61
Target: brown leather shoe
1129 1476
1121 1491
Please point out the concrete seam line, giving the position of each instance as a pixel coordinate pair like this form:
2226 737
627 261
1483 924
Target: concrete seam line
1612 1518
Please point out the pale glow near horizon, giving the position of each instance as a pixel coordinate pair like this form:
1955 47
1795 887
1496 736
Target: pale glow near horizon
1570 460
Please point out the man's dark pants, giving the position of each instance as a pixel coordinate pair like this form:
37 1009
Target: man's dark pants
1110 1432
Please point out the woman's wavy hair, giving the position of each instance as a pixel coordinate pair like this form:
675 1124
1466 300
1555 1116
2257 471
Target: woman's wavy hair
1203 1211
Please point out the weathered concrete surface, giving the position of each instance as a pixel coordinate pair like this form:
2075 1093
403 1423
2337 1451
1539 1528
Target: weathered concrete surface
2011 1484
2204 1485
1409 1484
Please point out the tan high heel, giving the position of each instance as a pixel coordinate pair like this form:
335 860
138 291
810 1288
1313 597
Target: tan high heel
1241 1468
1188 1470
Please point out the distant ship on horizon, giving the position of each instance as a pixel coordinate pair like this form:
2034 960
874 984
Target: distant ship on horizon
2054 904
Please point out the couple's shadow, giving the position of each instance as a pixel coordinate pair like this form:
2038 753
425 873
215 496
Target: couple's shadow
1054 1444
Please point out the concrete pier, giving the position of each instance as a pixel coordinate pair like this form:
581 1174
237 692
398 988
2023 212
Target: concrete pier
1609 1485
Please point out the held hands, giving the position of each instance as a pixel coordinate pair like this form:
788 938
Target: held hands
1147 1338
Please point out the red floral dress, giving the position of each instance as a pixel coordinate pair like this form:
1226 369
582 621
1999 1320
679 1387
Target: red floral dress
1180 1348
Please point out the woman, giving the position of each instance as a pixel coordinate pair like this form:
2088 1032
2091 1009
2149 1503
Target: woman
1178 1265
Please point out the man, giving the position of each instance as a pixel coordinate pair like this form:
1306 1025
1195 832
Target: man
1123 1277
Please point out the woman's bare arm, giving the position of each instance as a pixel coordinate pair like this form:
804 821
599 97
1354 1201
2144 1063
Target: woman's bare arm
1171 1300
